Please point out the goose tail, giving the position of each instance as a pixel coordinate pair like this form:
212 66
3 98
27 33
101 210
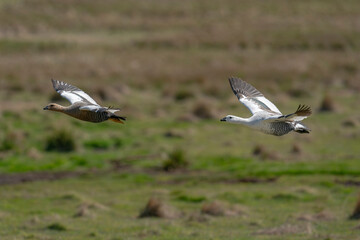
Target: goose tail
301 128
117 119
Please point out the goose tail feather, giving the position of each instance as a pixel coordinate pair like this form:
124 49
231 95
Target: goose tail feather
117 119
301 128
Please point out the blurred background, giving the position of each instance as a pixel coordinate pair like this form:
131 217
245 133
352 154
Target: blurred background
166 64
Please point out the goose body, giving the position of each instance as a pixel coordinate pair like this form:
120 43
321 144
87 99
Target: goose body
82 106
266 117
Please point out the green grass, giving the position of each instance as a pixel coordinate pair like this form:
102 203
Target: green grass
161 62
117 200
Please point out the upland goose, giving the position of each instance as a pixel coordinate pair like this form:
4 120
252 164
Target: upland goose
266 117
82 106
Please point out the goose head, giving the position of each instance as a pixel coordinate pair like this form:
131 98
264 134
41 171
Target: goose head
53 107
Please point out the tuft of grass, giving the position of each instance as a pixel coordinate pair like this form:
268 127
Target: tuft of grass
176 160
118 142
263 153
296 149
98 144
285 197
356 213
217 209
203 111
157 208
183 94
60 141
56 227
192 199
327 104
7 144
103 144
12 140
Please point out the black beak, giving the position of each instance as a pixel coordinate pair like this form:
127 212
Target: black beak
223 119
46 108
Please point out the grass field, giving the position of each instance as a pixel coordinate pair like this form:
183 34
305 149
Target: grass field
166 64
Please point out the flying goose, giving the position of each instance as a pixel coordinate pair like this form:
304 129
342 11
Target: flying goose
266 117
82 106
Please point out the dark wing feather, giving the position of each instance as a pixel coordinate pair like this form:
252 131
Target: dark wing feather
301 113
303 110
62 86
243 89
248 95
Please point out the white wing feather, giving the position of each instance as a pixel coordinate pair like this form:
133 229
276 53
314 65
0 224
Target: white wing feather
252 98
251 105
71 93
269 104
92 108
86 96
96 108
76 96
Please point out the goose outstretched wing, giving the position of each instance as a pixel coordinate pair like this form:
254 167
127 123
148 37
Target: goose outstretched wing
71 93
248 95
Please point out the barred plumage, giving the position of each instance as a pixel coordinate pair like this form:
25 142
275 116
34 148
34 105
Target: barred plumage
280 128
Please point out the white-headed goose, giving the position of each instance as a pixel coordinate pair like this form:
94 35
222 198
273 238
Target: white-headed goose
266 116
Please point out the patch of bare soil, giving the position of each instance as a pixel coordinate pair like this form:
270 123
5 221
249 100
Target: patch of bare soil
355 183
122 167
251 180
217 179
15 178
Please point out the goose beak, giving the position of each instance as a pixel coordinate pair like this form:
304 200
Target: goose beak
223 119
46 108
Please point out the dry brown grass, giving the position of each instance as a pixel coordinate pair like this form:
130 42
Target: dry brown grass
83 211
203 110
351 123
263 153
34 154
157 208
327 104
217 208
321 216
356 212
296 149
287 229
